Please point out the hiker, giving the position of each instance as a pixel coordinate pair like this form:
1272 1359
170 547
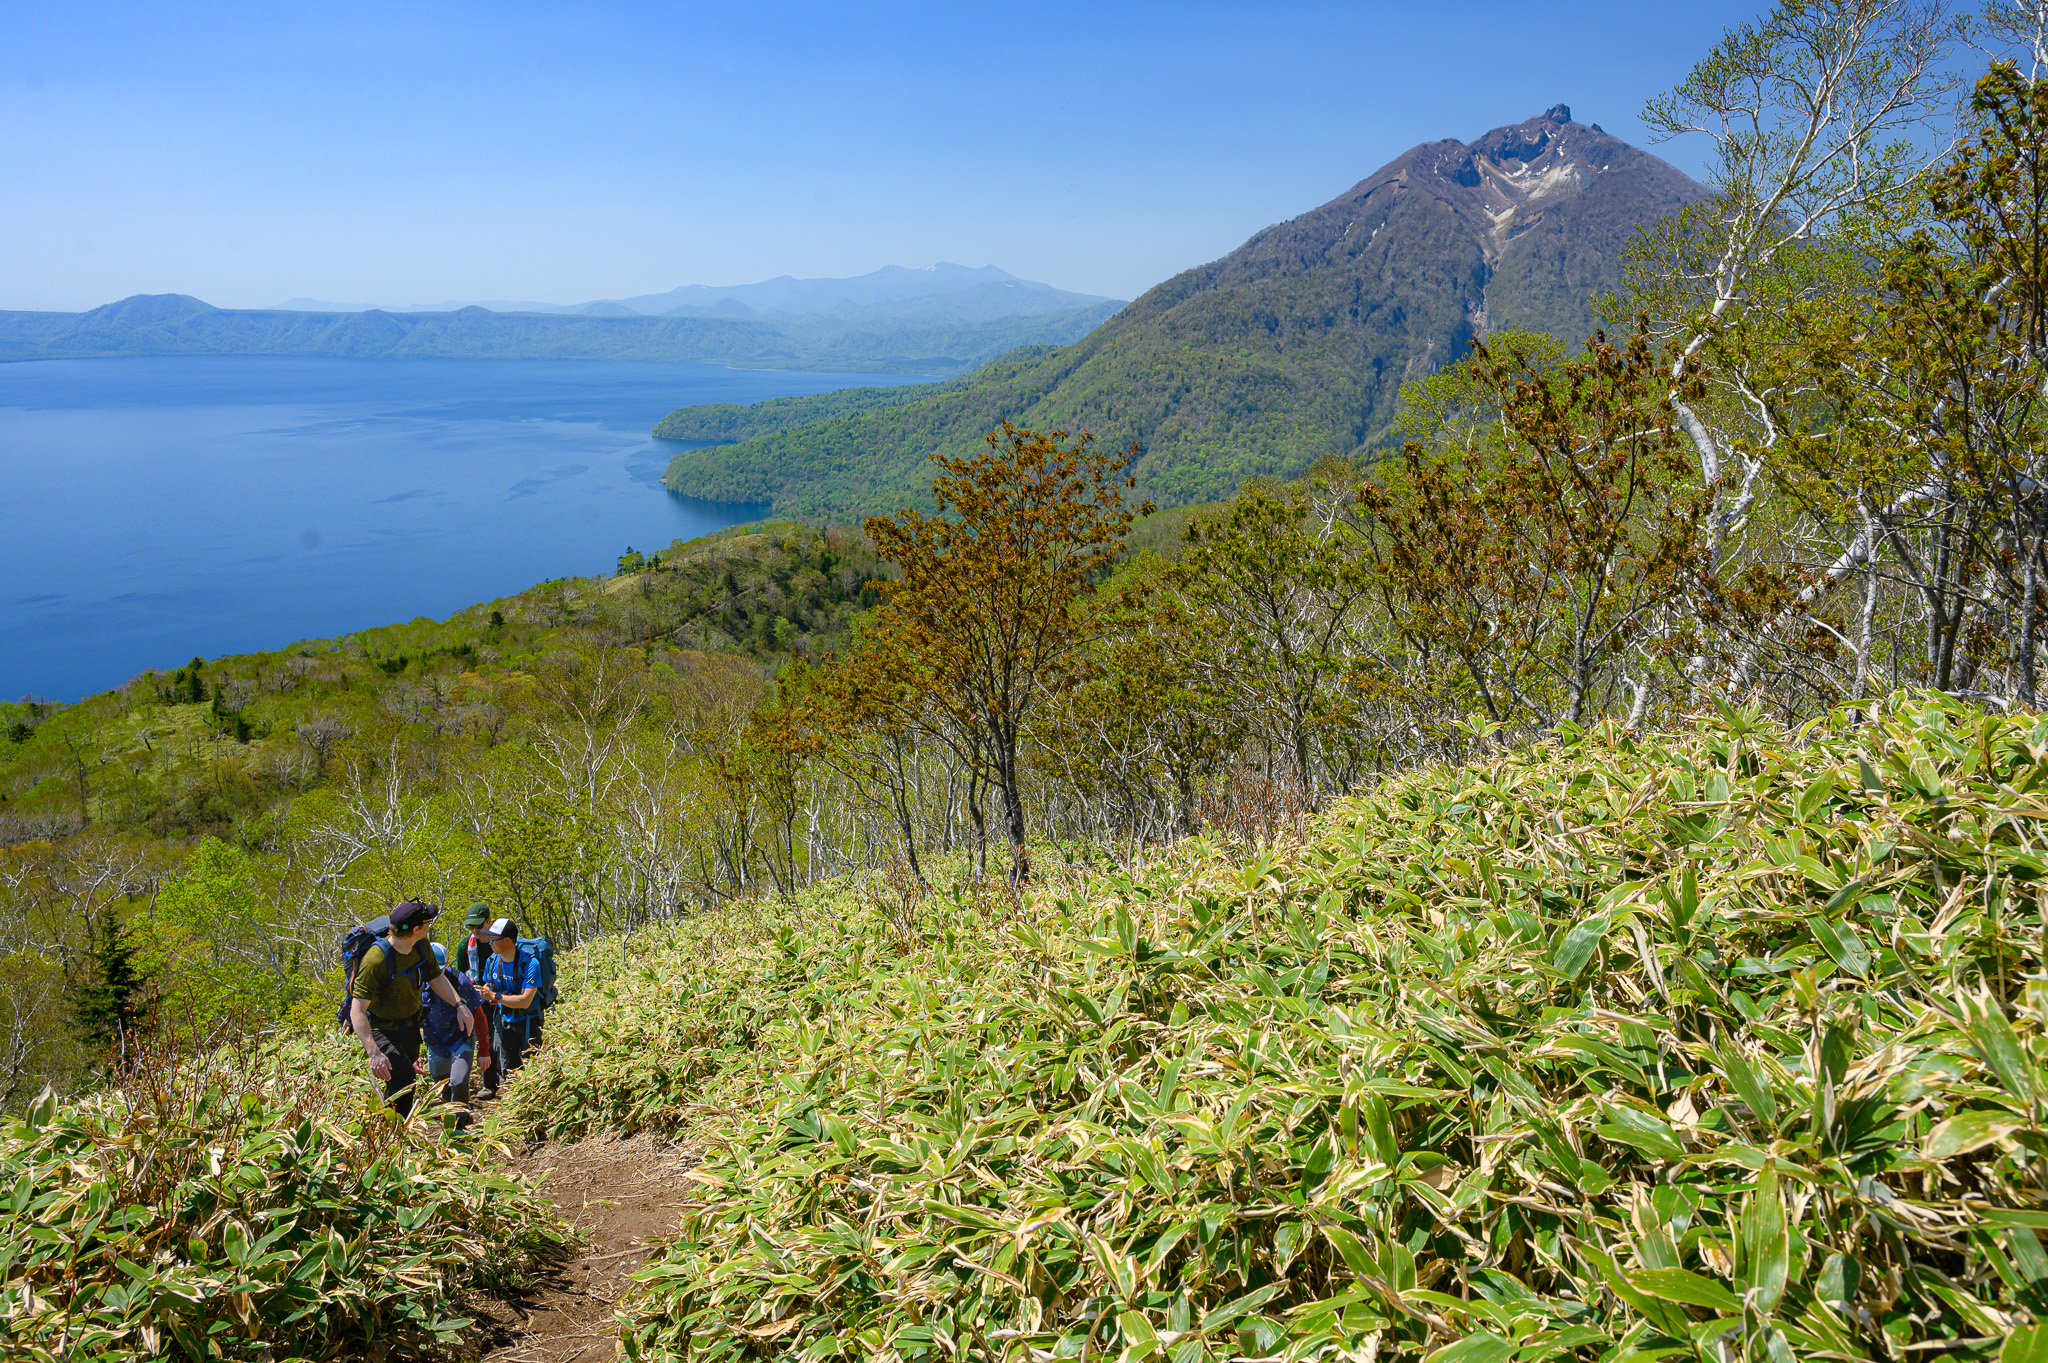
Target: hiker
384 1000
512 984
472 948
452 1056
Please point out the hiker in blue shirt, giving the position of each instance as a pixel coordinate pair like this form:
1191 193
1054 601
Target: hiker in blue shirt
451 1055
511 983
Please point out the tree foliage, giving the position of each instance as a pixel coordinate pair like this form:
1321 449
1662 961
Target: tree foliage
984 620
113 1000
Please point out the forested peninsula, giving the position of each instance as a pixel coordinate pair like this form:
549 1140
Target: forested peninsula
1566 889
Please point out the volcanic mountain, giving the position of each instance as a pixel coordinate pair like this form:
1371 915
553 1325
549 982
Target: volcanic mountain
1289 349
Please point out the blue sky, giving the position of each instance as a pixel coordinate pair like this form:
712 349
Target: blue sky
412 153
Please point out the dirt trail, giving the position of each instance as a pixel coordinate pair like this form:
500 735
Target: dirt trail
626 1197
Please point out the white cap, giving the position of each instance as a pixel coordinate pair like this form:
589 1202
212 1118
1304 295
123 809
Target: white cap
503 927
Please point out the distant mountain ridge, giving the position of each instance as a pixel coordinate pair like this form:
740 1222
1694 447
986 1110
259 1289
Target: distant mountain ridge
941 339
1289 349
978 294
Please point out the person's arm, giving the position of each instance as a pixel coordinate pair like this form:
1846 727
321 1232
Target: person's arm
517 1002
504 1000
448 996
359 1018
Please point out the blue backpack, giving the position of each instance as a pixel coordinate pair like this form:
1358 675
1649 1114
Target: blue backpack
354 943
544 957
438 1022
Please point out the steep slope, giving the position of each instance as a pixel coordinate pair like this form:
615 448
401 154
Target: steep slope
1530 1060
1291 348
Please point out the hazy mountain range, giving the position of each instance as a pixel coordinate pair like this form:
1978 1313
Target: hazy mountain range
939 320
894 290
1289 349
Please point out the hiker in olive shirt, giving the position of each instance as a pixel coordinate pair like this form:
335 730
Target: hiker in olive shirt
385 1007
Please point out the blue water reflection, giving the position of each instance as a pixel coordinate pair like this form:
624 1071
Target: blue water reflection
153 509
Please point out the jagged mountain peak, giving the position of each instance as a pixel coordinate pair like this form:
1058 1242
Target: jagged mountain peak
1546 157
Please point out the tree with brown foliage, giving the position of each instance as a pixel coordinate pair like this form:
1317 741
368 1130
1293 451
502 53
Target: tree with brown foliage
983 621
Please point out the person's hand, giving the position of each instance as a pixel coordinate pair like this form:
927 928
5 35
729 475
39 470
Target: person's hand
380 1065
466 1020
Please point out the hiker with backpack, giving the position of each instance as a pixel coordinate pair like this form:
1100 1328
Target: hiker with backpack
472 945
519 982
452 1056
387 980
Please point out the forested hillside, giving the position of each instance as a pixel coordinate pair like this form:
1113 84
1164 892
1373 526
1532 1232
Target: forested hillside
166 808
1291 349
924 341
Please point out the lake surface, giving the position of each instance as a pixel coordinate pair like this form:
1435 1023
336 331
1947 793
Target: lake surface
156 509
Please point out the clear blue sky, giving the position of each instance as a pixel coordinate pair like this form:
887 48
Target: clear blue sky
418 152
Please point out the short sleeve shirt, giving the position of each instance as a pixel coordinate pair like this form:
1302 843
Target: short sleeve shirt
511 977
390 981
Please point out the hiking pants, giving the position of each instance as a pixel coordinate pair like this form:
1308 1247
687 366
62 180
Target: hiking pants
517 1034
400 1043
453 1067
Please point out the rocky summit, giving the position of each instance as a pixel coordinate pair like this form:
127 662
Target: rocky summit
1544 209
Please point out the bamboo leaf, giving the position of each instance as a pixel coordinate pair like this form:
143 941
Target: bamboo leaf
1992 1038
1842 944
1748 1086
2029 1344
1687 1288
1968 1131
1634 1127
1480 1347
1577 946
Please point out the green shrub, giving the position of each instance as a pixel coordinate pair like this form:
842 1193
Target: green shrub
647 1021
270 1210
1722 1045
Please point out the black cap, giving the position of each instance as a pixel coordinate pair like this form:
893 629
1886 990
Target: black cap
412 914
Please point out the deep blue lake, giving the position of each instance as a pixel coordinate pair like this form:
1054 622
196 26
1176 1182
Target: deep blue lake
154 509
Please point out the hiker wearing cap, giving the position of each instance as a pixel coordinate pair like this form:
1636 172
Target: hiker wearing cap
511 982
384 1000
472 948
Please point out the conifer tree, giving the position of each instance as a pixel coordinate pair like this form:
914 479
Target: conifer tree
116 997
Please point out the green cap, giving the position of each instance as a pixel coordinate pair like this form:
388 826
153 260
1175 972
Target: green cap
478 915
